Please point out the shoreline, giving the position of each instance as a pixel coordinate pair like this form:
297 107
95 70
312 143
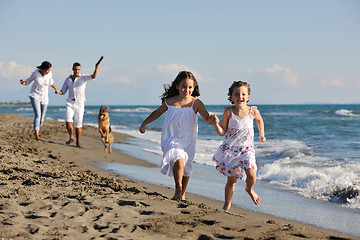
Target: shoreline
53 190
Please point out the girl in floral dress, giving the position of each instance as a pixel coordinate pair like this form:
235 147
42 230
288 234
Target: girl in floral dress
180 128
235 158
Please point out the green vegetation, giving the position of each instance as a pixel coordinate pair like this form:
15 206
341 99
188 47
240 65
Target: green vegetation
13 103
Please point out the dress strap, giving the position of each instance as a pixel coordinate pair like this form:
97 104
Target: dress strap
251 108
192 105
166 102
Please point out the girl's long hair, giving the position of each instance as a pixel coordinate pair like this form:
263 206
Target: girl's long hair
171 91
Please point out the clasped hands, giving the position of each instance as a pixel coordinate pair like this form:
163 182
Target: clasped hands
213 119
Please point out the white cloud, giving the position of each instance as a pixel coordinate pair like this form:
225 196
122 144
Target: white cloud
174 69
334 81
277 71
125 80
290 77
12 70
160 73
250 71
275 68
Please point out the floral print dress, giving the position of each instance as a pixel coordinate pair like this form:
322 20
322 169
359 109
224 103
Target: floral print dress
237 153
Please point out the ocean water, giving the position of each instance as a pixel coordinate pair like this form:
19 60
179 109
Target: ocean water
308 170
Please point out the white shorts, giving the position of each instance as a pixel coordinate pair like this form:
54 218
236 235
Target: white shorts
74 112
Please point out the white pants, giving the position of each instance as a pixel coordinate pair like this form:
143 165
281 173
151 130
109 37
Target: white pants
75 113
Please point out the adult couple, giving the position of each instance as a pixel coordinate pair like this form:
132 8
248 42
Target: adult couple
75 105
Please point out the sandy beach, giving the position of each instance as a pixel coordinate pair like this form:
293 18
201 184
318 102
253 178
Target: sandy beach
50 190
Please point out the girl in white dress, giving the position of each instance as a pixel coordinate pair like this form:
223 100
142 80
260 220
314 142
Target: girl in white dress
180 128
235 158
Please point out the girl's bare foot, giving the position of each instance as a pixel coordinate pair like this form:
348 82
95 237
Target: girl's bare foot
226 207
254 196
183 197
177 195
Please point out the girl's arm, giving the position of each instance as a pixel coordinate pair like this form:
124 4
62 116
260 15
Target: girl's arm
200 108
222 128
56 90
153 116
260 124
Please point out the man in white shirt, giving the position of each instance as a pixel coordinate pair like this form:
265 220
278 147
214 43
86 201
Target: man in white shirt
75 103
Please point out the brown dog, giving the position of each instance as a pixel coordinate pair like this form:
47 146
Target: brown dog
104 127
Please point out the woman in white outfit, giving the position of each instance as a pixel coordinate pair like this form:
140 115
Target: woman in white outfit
41 79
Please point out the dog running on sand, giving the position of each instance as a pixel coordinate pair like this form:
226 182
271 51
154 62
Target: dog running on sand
104 127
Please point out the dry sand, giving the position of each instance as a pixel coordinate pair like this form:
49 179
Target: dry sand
50 190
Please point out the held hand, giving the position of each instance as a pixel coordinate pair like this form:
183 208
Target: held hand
142 129
262 139
210 120
217 120
23 82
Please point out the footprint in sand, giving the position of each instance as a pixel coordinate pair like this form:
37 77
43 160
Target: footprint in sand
209 222
127 203
182 205
100 227
32 228
146 226
147 212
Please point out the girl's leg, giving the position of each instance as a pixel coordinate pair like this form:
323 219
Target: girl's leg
43 112
250 182
178 171
229 190
185 182
37 111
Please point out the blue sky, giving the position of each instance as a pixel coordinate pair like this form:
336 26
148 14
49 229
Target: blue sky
291 52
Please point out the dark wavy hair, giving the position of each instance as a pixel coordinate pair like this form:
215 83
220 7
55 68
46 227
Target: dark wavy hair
238 84
171 91
44 65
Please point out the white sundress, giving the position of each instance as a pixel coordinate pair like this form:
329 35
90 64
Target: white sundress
237 153
178 138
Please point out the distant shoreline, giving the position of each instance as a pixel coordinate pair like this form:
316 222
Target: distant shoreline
9 104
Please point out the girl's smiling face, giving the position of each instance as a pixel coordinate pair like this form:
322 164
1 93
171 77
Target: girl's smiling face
240 95
185 87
